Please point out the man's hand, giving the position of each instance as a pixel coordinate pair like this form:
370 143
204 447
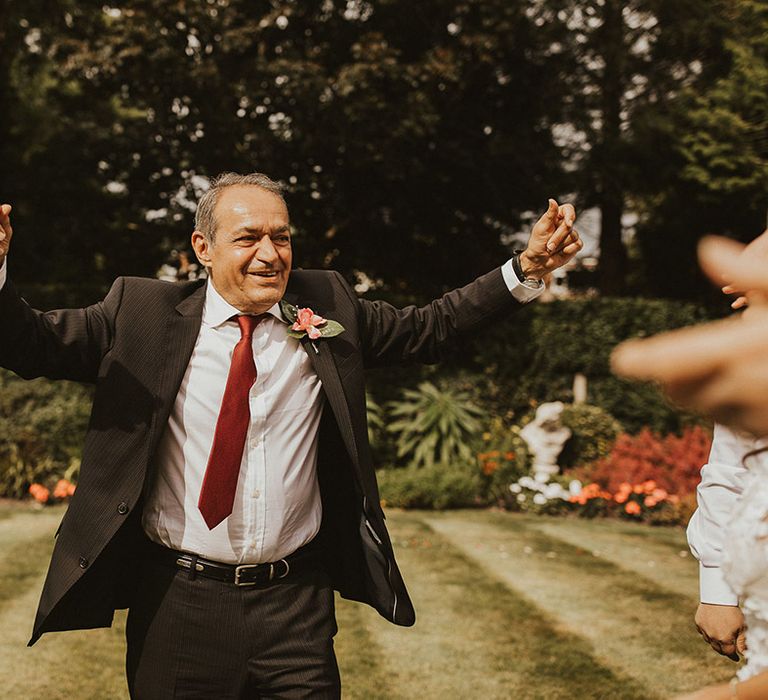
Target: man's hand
553 241
5 231
722 626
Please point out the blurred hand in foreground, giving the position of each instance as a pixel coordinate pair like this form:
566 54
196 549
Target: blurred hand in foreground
756 250
719 368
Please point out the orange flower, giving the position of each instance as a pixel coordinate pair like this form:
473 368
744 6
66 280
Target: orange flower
495 454
625 487
639 488
63 489
659 494
649 486
633 508
509 455
39 493
490 466
650 501
621 497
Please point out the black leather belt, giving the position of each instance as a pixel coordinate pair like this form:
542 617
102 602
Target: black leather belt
242 574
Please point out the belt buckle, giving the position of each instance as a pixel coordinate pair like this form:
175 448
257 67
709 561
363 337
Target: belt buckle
272 572
242 567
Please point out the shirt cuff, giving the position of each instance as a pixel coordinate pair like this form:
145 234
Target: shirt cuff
3 273
713 588
521 292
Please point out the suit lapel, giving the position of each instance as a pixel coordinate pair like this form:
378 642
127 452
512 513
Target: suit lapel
321 356
182 329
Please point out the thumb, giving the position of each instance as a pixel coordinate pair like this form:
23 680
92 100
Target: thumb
5 209
552 211
741 642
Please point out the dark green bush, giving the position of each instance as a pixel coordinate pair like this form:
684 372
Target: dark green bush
593 432
434 488
42 426
534 356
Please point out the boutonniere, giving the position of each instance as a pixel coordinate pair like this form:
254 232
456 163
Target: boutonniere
305 322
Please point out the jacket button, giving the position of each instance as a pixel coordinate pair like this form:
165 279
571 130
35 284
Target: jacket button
83 563
122 508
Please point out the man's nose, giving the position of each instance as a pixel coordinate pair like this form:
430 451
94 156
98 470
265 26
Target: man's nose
266 251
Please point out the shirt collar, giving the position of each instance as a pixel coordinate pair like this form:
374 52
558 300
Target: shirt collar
218 310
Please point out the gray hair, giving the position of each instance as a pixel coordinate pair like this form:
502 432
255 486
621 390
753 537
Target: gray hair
205 221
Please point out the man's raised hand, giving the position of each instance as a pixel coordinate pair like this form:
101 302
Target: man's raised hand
553 241
6 231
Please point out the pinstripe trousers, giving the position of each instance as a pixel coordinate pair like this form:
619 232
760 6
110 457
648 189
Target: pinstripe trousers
194 637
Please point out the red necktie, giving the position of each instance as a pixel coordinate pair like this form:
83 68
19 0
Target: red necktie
217 495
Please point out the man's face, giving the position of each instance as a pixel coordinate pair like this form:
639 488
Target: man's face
250 258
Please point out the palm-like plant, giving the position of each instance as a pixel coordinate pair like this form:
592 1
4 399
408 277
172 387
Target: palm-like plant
375 419
434 425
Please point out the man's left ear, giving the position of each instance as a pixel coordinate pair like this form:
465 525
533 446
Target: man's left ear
201 245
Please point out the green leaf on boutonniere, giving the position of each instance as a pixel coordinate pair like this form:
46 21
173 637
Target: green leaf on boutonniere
289 311
330 329
303 322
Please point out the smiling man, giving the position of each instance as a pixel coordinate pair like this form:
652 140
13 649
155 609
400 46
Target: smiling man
227 486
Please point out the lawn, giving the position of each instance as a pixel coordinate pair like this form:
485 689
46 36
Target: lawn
507 606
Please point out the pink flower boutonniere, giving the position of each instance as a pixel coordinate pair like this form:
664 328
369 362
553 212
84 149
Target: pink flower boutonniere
305 322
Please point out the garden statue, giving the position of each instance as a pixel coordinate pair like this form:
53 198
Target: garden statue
545 436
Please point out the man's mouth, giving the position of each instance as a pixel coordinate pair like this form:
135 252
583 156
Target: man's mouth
266 274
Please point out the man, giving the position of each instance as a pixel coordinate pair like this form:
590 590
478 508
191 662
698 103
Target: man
219 498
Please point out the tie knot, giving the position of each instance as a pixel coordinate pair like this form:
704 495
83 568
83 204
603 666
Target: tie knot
248 324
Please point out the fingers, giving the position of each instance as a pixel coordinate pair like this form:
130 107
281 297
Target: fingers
6 231
721 257
564 231
568 214
739 303
723 647
677 355
741 642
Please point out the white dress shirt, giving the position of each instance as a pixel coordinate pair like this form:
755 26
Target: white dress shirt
277 501
277 504
722 482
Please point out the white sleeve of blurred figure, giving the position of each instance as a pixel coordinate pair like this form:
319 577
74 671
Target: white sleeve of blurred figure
721 485
3 273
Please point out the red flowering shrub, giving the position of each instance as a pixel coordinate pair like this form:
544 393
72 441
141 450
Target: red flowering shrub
672 462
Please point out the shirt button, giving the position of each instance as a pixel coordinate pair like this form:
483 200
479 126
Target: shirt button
122 508
256 493
83 563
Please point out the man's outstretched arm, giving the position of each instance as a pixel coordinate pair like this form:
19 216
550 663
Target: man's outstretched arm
393 336
64 344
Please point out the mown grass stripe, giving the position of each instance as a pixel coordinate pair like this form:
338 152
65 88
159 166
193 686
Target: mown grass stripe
61 666
664 560
475 638
359 655
634 626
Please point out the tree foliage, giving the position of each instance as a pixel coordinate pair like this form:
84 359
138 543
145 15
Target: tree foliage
405 132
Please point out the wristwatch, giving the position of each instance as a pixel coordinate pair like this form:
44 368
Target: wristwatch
530 282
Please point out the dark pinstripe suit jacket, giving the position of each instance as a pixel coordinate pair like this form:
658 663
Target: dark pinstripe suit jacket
135 346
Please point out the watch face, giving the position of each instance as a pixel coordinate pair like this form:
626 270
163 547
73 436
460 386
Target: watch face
532 283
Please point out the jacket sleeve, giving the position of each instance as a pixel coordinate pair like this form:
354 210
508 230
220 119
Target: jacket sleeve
63 344
720 488
420 334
